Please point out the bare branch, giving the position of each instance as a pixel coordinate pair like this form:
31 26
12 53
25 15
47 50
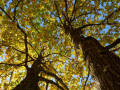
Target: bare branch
50 54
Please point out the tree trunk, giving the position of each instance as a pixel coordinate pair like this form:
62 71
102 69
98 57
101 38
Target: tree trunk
104 65
30 82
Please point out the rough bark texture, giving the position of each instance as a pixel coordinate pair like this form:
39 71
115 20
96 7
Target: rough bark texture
104 65
30 82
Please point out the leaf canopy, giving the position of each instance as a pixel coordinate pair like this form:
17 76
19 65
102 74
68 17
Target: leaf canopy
42 22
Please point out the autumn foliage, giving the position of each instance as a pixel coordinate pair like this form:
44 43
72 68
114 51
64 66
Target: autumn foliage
37 42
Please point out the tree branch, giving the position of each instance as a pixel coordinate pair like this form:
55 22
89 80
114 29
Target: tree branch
113 44
58 12
47 85
117 10
16 50
14 17
6 13
50 81
82 14
25 36
12 64
115 49
66 8
101 23
25 41
87 78
56 77
75 9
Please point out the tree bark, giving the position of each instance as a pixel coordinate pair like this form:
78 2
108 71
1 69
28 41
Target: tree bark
30 82
104 65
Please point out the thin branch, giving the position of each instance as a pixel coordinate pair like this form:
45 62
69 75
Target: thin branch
47 85
50 81
80 28
6 13
4 72
56 77
26 48
21 64
83 14
14 17
32 47
80 6
66 8
87 79
58 12
115 49
34 26
16 49
11 76
49 55
113 44
13 64
75 9
101 23
117 10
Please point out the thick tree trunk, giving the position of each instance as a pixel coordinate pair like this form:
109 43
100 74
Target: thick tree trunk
30 82
104 65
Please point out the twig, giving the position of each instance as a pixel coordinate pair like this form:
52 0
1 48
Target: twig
14 17
58 12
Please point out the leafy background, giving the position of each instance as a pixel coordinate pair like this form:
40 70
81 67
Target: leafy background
40 22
